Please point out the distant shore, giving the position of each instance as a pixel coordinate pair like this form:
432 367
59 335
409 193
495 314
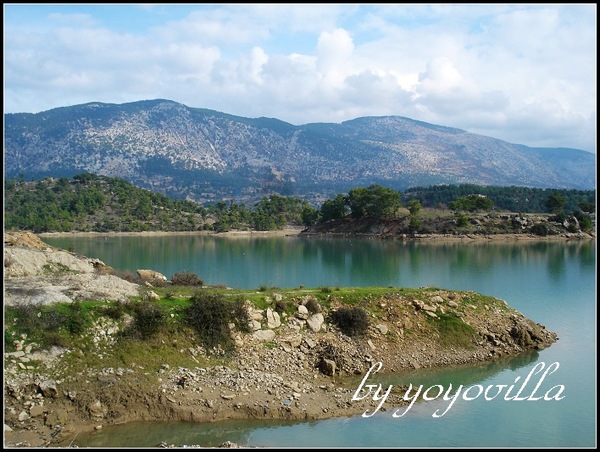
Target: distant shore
298 231
278 233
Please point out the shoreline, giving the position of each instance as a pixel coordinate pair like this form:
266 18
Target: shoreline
278 233
299 232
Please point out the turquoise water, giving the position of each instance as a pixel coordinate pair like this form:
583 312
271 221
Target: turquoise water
552 283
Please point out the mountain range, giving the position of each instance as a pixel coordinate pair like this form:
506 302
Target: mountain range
206 155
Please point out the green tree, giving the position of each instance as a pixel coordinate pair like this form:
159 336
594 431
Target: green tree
334 209
414 207
556 203
375 201
310 215
472 203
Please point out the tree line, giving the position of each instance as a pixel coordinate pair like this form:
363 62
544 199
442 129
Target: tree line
88 202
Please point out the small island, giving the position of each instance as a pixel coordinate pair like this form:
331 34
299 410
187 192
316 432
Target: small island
85 348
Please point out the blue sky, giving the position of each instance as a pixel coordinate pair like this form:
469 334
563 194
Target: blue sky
522 73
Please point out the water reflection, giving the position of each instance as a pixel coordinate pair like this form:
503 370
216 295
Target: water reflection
249 262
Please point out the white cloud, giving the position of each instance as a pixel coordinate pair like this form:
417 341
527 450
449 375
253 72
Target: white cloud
523 73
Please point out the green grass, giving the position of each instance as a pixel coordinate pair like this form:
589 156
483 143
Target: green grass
68 325
453 332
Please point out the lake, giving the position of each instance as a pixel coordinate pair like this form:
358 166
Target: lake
553 283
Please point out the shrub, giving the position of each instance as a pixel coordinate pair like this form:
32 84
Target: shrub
48 325
186 279
539 229
585 223
351 321
128 276
114 311
281 306
313 306
170 294
76 319
461 220
148 319
210 315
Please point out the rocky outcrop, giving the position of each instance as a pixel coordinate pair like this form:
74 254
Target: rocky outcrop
36 273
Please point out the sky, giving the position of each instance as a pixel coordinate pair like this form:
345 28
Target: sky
523 73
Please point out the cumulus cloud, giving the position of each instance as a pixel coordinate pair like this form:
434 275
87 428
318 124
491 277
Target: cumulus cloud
523 73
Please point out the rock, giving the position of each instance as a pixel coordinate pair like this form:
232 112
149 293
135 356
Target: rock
328 367
96 409
48 388
273 319
437 299
151 276
383 329
36 411
152 296
302 313
23 416
453 304
309 342
7 428
264 335
256 314
315 321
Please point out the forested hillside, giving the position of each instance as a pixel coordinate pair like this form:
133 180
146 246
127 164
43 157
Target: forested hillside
88 202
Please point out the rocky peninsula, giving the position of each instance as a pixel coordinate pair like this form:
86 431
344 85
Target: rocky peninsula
293 362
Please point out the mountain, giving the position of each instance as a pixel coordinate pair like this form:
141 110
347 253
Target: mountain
207 155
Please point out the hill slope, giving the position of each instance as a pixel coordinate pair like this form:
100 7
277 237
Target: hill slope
203 154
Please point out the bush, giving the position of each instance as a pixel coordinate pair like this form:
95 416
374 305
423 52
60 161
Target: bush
539 229
148 319
210 315
281 306
48 325
114 311
313 306
461 220
351 321
76 319
186 279
585 223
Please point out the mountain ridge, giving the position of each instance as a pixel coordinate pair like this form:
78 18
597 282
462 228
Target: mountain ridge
204 154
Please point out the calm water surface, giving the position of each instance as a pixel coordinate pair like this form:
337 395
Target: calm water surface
552 283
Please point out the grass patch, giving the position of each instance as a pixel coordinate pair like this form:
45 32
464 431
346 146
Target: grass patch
453 332
57 267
